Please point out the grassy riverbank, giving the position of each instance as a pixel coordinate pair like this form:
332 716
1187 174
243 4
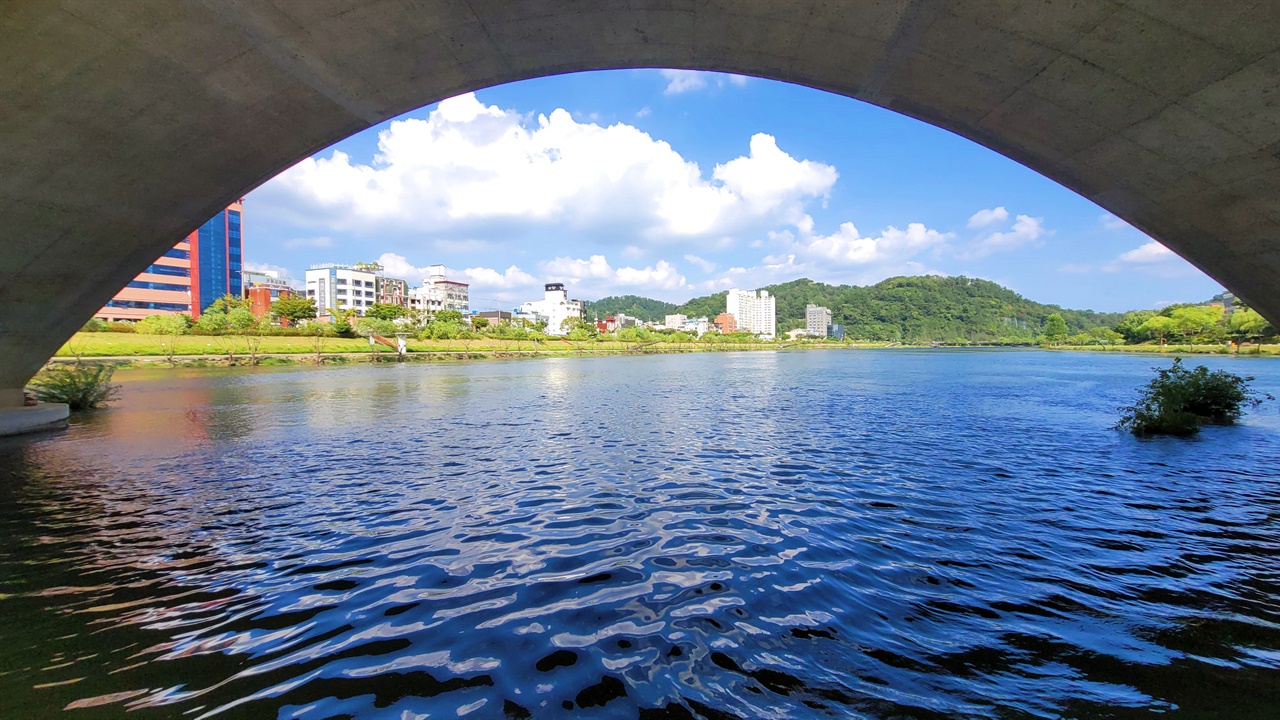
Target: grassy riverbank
1272 350
128 349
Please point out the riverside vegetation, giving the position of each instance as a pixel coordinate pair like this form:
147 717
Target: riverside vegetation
967 311
954 311
1179 400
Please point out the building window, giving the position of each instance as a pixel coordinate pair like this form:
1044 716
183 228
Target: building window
141 285
341 281
140 305
178 254
168 270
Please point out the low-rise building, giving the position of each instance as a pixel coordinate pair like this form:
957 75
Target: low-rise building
675 322
554 309
495 317
816 320
391 291
335 286
262 296
726 323
697 326
437 293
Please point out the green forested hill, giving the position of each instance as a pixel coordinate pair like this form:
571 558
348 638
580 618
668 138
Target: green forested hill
916 309
633 305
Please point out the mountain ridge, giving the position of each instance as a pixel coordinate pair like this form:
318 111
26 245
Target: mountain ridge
920 308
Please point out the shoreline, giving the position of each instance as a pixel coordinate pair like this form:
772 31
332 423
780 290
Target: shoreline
353 357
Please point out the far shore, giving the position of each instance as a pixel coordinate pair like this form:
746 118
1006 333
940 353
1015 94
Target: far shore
126 350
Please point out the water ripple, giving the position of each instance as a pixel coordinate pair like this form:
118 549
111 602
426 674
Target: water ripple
883 535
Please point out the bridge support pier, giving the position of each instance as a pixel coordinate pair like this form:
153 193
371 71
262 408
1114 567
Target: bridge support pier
17 418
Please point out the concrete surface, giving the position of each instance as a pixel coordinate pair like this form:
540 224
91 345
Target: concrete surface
37 418
124 125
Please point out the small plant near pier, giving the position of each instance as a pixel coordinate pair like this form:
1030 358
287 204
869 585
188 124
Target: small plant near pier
82 387
1179 400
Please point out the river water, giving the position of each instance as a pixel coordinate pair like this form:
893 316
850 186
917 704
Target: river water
879 534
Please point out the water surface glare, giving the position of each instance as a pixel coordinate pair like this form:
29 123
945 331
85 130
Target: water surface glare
891 534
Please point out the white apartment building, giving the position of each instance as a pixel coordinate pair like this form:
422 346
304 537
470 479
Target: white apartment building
338 287
698 326
816 320
439 293
754 312
554 308
675 322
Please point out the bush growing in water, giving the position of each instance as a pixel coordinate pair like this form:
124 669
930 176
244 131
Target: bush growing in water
1178 401
82 387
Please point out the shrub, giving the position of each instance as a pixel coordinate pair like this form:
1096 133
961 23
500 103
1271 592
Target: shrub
1178 401
83 387
121 327
95 325
163 325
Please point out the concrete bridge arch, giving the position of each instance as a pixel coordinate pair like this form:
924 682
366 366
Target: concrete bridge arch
123 125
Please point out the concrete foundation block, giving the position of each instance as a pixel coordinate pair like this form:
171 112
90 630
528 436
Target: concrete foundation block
37 418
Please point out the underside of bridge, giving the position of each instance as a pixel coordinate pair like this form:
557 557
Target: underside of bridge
124 125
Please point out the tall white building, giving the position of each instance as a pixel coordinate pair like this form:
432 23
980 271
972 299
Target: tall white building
554 308
753 312
439 293
816 320
333 286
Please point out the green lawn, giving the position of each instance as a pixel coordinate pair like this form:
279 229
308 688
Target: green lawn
136 345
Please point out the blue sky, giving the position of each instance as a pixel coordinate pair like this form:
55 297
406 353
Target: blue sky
674 184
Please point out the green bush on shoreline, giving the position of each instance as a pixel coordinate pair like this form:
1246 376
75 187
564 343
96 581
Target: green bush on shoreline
81 387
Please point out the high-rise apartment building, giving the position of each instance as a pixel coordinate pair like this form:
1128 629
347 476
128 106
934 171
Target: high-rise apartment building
816 320
754 312
201 268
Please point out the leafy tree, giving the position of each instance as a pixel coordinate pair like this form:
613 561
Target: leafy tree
447 316
1159 326
480 323
1131 326
294 309
1246 324
386 311
1055 329
1178 401
1105 336
377 326
164 324
227 303
211 321
1192 320
240 320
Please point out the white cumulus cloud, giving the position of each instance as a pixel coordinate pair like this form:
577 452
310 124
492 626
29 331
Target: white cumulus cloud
847 246
513 277
1025 230
594 276
983 218
1151 252
702 264
475 172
